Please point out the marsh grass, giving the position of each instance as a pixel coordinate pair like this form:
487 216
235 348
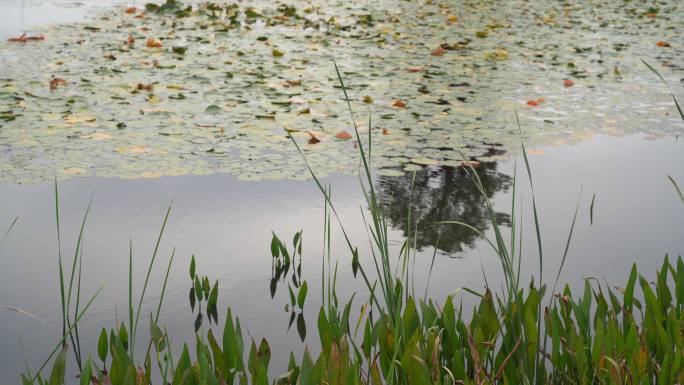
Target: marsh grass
518 335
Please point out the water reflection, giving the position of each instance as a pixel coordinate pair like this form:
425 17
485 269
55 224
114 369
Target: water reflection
443 193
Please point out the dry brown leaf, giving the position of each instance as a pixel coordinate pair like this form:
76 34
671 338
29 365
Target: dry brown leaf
56 82
153 43
439 51
24 38
312 138
145 87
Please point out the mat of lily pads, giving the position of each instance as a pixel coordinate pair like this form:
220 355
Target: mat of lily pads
172 89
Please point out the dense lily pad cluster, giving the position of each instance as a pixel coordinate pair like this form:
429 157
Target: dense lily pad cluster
171 88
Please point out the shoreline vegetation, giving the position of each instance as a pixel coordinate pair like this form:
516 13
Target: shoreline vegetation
521 334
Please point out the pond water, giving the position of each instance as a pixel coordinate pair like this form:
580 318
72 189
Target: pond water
234 177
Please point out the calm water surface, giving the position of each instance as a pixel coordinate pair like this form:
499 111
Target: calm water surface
227 225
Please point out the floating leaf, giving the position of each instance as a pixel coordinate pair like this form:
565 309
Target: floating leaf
424 161
439 51
56 82
153 43
179 50
312 138
344 135
213 109
25 38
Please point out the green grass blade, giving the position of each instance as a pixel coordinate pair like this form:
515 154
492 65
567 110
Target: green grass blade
147 276
14 222
61 342
676 186
59 256
679 108
567 245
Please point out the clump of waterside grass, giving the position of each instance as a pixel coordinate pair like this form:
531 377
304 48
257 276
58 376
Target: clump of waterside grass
519 335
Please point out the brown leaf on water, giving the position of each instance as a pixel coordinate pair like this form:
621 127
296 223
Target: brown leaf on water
153 43
25 38
145 87
386 131
415 69
344 135
292 83
110 56
131 10
312 138
56 82
439 51
532 103
568 83
130 40
399 104
661 43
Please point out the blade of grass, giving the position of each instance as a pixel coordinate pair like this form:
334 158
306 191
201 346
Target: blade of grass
679 108
591 210
63 340
59 256
567 245
8 230
679 192
147 277
161 296
77 260
539 244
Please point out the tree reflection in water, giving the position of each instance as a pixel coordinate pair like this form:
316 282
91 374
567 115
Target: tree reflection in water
442 193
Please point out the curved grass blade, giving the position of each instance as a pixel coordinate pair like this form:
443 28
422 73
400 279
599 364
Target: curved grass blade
679 108
679 192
